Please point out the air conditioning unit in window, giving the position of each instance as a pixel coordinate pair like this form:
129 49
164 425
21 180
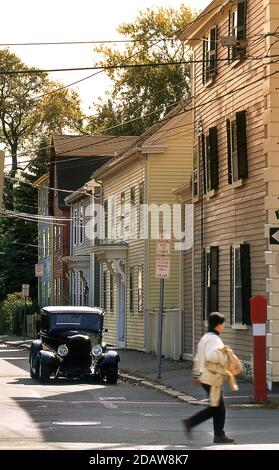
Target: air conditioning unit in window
228 41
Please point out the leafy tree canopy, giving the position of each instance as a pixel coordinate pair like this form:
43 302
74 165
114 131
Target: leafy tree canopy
136 92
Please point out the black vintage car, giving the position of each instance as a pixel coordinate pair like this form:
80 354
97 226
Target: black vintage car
71 345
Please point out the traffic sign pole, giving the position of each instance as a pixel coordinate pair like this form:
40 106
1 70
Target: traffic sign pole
160 327
24 320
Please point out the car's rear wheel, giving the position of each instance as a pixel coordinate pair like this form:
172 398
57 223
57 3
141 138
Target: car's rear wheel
112 373
44 372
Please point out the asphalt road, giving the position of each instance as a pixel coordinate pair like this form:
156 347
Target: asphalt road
77 415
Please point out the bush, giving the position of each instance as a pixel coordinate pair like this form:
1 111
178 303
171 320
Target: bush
12 311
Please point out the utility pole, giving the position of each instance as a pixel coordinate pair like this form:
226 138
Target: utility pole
2 160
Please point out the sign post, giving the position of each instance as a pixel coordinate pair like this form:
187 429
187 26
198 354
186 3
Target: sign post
259 316
162 269
25 293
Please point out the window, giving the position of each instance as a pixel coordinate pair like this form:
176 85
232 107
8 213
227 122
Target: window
237 28
210 55
75 226
57 291
140 288
237 147
58 237
81 223
131 289
141 209
240 284
211 265
211 160
44 243
132 212
106 220
105 290
111 292
122 215
111 210
48 242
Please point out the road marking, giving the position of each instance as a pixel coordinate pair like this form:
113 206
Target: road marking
112 398
77 423
9 350
13 358
109 405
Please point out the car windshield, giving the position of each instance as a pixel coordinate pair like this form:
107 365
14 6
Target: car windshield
76 321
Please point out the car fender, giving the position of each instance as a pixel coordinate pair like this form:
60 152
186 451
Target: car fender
35 348
110 357
48 357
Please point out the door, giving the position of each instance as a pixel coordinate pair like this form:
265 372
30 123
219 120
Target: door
121 311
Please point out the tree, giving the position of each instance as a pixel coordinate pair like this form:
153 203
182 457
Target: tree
138 91
19 237
31 107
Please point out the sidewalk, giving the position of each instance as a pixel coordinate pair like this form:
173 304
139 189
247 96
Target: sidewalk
176 376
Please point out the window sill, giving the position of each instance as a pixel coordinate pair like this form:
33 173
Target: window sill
239 326
237 183
209 82
237 62
196 199
211 193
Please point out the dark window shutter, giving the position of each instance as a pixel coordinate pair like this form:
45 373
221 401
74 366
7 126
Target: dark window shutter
203 163
213 144
231 285
229 151
204 42
241 26
245 282
241 144
214 268
229 33
213 52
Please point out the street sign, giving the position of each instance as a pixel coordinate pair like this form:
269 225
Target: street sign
162 267
162 246
39 270
25 290
274 235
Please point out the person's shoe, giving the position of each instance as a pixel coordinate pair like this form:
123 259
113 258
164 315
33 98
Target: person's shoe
187 427
223 440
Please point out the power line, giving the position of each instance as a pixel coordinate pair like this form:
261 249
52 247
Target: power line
122 66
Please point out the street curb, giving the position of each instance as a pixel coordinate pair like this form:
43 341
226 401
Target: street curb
162 388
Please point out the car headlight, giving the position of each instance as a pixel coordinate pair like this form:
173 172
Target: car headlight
97 351
62 350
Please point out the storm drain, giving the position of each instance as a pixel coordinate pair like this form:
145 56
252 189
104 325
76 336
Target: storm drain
77 423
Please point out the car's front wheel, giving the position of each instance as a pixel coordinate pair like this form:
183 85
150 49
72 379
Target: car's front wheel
44 372
112 373
33 363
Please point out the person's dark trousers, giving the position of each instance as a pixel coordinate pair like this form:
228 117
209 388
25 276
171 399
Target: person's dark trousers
217 412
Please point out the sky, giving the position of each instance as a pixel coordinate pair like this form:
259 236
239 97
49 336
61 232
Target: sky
71 20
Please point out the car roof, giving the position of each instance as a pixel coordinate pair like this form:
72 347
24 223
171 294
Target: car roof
72 309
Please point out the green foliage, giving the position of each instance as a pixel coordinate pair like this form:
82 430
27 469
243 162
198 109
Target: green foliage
32 106
18 242
136 92
12 311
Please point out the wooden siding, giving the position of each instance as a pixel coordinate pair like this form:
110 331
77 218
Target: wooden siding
232 214
165 172
113 185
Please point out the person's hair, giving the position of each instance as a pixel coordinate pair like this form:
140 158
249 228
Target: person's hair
214 319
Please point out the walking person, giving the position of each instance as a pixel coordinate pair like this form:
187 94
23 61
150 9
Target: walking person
208 350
